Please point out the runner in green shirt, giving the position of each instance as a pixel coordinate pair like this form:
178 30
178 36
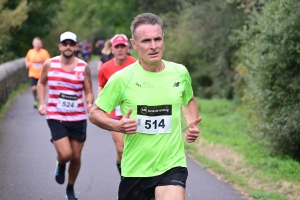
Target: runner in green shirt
151 93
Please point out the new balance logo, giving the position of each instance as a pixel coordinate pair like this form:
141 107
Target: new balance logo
138 84
176 84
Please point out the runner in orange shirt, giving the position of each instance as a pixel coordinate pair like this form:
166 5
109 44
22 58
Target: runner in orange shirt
121 60
34 62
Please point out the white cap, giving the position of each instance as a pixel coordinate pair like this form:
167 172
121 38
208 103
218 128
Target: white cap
68 36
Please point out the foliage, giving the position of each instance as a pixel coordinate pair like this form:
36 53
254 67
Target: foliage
271 55
199 38
38 24
242 161
104 18
10 18
12 96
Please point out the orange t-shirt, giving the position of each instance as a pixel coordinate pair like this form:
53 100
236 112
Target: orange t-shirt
36 60
108 69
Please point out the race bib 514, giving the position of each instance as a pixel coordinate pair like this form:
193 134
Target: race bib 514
154 119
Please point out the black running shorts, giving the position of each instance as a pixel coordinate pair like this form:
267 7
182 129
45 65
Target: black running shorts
132 188
33 81
60 129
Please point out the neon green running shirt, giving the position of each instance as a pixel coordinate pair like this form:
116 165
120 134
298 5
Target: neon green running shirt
155 99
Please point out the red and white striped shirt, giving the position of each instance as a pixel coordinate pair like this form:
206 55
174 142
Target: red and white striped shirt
65 100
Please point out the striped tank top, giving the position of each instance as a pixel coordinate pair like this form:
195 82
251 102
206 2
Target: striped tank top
65 98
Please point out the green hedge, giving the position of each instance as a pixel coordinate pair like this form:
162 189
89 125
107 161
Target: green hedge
271 53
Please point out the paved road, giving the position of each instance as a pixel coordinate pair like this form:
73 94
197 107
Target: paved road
27 162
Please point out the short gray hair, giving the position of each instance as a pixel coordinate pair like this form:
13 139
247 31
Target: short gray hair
145 18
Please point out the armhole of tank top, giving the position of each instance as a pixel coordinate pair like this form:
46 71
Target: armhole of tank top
78 61
51 61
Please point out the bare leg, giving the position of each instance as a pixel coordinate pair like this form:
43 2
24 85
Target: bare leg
64 151
169 192
75 162
34 91
118 139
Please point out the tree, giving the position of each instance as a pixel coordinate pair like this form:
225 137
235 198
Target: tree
198 37
270 52
38 24
10 18
90 20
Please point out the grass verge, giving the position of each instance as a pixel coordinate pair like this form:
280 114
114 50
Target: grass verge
94 57
13 95
226 148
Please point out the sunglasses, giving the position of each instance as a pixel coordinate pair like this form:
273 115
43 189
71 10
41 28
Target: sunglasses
66 43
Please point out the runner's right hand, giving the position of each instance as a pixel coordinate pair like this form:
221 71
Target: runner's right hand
127 125
42 109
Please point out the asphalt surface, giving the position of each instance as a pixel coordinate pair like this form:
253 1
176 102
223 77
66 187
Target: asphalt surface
27 161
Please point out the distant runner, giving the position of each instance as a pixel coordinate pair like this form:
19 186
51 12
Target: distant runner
86 50
34 61
106 54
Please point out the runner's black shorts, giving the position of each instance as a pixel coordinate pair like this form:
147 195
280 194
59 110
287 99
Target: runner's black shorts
143 188
60 129
33 81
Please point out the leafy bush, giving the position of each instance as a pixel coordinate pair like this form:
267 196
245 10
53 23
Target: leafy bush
270 51
37 24
199 38
10 17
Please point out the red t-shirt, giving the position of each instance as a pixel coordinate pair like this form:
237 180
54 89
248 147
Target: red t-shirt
108 69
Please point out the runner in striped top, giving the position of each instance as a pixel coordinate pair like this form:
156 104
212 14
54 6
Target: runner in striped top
67 78
65 102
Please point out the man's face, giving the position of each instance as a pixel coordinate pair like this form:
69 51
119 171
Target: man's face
37 44
67 48
148 43
120 51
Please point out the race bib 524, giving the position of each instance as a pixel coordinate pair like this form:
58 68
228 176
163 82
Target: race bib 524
67 102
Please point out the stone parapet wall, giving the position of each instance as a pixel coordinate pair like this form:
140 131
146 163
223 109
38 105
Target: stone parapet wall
12 74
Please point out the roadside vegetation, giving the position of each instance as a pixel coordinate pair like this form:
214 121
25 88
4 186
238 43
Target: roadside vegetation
226 149
12 96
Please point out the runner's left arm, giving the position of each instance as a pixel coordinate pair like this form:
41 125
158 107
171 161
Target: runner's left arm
191 112
88 89
27 61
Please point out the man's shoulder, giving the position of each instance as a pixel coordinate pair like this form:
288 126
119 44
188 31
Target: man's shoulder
108 64
177 66
81 62
54 59
44 51
30 51
125 72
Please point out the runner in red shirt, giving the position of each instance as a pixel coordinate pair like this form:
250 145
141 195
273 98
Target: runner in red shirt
121 60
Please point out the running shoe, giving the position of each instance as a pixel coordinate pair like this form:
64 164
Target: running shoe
60 173
36 103
70 195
